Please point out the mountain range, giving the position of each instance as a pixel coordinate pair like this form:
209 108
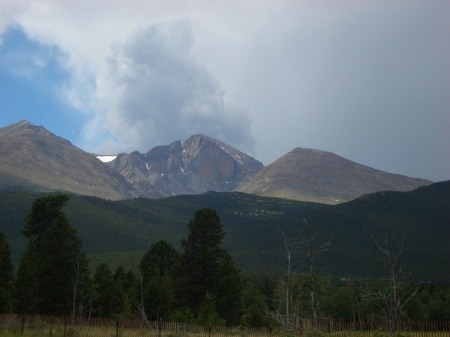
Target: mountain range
33 159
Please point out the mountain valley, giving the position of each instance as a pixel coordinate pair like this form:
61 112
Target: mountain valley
119 232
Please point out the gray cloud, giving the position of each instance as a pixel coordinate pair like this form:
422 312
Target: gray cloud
161 93
368 82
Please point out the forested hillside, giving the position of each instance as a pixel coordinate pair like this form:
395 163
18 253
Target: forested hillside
199 283
420 219
119 232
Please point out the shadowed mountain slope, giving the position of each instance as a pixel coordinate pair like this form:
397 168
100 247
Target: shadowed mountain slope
123 230
415 223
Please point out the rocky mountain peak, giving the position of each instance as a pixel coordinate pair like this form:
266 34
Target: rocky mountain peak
198 165
21 128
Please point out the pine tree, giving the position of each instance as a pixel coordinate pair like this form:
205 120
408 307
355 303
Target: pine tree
53 271
159 298
104 285
26 289
58 252
207 314
205 268
156 268
6 275
43 211
160 259
228 291
202 255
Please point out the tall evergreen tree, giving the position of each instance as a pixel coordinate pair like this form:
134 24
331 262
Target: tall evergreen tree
156 268
6 275
202 255
53 270
43 211
205 268
228 291
160 259
105 286
26 290
159 298
58 251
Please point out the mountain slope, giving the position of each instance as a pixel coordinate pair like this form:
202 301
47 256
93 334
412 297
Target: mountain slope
126 228
31 158
132 225
420 219
198 165
319 176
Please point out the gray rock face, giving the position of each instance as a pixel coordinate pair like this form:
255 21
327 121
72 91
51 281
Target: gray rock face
198 165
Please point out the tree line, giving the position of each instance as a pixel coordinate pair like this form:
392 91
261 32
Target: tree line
199 284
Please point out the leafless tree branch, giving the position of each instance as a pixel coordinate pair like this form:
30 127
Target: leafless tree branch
391 297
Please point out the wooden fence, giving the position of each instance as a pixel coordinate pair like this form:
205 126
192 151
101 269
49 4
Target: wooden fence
60 326
366 328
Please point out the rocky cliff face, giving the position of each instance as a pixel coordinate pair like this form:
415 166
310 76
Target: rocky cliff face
198 165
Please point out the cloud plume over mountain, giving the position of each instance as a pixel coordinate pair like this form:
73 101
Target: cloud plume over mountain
160 92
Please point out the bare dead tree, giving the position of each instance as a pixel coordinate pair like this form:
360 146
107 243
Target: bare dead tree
305 242
139 304
391 298
79 275
75 284
285 320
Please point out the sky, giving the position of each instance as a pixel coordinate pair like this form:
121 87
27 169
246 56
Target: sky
368 80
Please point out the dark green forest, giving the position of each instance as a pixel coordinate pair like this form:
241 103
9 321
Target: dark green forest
200 283
119 232
123 230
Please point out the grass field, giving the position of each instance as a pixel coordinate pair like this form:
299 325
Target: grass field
45 326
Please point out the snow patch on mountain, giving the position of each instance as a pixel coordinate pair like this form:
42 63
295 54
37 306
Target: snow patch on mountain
106 159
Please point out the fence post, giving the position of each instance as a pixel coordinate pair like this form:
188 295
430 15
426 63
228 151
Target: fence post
117 327
159 327
209 330
65 324
23 323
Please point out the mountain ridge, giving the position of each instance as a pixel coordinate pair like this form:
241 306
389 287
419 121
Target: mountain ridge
321 176
32 158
